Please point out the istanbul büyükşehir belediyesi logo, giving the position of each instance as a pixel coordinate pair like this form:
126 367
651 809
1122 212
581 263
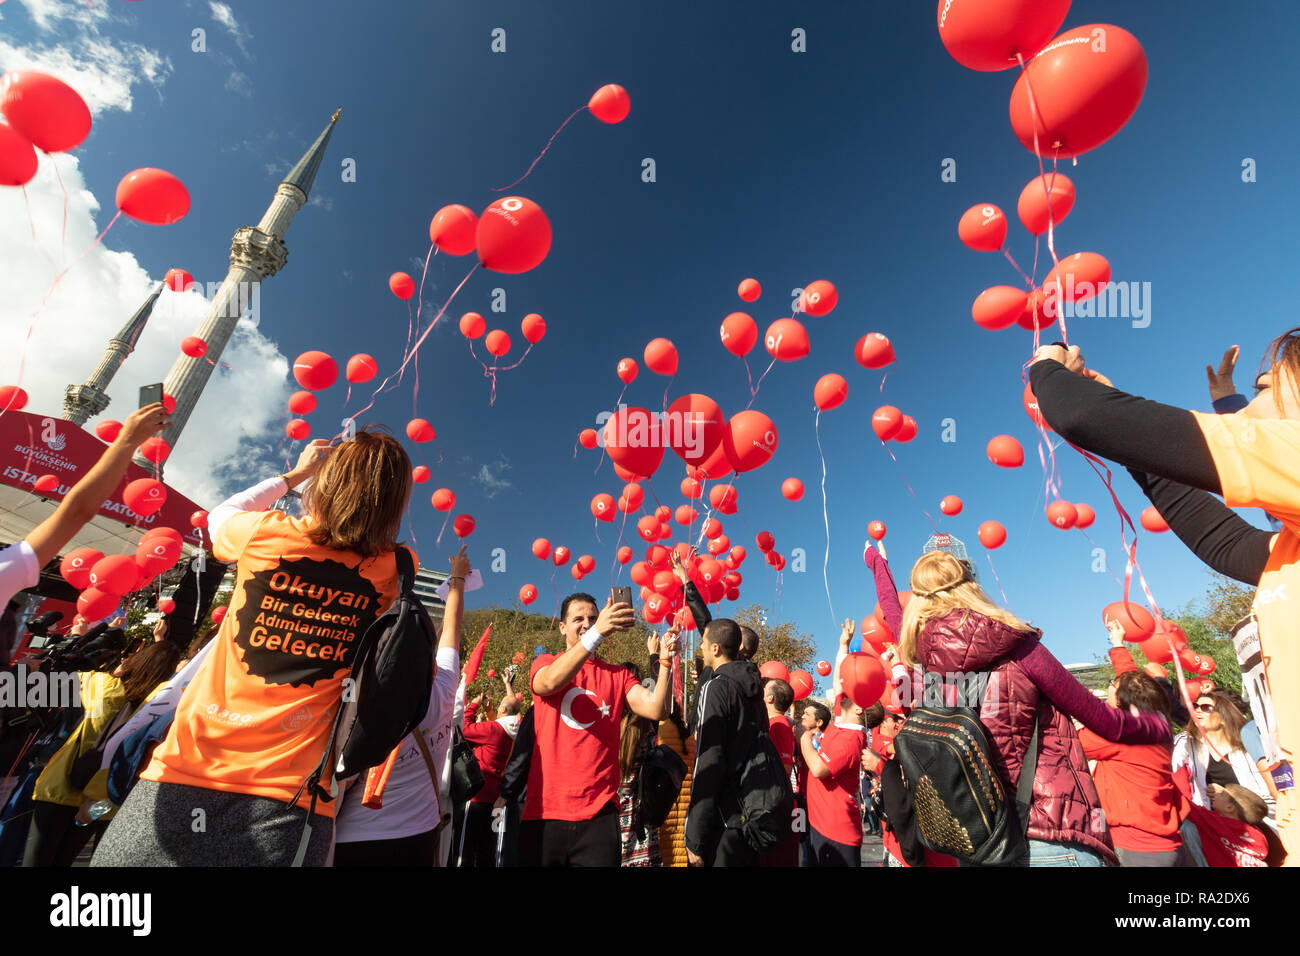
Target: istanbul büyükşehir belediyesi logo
300 620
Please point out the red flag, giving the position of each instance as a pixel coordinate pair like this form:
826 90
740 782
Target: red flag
476 657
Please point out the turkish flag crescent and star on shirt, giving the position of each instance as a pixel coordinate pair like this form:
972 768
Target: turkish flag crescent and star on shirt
575 771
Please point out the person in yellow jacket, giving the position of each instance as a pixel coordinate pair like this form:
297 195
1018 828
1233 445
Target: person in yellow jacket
672 834
54 838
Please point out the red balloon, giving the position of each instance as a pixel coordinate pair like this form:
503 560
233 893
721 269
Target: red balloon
452 230
661 357
17 158
685 515
297 429
402 285
1062 515
792 488
625 474
420 474
648 528
818 298
302 403
94 604
1074 279
498 342
765 541
691 488
1153 521
717 466
874 351
541 548
155 450
610 103
876 530
219 614
193 346
907 430
992 535
115 574
560 556
694 428
1137 622
533 327
999 307
513 235
987 35
178 280
863 679
315 371
739 332
602 506
419 430
472 325
749 290
528 594
166 606
886 422
830 391
12 398
983 228
1005 452
107 430
46 483
444 499
587 438
633 439
624 554
801 683
634 494
951 505
361 368
463 525
586 564
1087 83
876 633
1039 313
1031 408
153 196
44 110
144 496
724 498
626 370
1086 516
774 670
1034 203
75 566
750 440
786 340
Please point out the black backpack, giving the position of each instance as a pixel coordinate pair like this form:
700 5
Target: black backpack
762 784
466 774
391 681
658 784
962 805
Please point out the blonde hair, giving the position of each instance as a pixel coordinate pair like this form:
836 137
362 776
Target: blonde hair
942 584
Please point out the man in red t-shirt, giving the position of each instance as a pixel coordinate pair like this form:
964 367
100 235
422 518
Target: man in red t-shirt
492 741
570 813
834 817
778 696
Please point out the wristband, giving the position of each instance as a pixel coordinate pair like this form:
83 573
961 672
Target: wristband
591 640
666 661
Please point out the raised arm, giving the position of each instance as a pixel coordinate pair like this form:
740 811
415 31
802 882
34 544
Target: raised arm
265 493
886 590
690 593
658 705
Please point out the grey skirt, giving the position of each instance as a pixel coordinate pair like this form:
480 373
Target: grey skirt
172 824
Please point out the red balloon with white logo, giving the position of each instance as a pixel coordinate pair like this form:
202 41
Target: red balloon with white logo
1137 622
983 228
144 496
513 235
874 351
989 35
739 332
819 298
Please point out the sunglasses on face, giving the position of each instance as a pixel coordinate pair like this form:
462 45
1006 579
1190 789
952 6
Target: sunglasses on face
1205 708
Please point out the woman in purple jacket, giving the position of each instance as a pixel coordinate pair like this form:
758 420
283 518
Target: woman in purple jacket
950 627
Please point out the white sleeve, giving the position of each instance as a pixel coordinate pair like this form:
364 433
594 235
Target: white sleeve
163 702
840 655
260 497
446 686
19 570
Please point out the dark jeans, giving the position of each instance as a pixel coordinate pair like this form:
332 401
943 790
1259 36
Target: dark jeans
593 842
478 841
733 850
827 852
54 838
419 850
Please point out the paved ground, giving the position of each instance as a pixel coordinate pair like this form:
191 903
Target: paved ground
873 851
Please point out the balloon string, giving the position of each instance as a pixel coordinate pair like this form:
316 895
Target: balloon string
617 402
1114 577
27 201
754 393
507 368
666 387
1028 281
750 376
903 475
882 383
438 540
420 304
410 334
618 544
1042 172
817 430
411 529
998 580
432 325
528 171
63 252
595 527
555 608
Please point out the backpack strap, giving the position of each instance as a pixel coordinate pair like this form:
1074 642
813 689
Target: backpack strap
1025 783
405 572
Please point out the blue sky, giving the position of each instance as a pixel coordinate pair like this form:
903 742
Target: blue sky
769 163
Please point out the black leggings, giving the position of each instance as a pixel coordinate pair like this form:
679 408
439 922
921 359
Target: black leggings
419 850
54 838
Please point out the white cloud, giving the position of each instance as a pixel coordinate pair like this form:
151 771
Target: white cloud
223 15
493 484
46 13
321 202
103 72
238 82
232 436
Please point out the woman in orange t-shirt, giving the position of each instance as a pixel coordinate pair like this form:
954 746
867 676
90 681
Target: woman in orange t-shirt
1181 459
225 787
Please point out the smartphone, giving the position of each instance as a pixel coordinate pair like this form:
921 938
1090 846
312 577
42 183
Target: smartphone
621 596
151 394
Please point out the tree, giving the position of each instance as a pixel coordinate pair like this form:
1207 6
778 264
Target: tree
778 642
1226 603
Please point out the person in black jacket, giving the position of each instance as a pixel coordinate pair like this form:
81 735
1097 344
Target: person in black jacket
730 712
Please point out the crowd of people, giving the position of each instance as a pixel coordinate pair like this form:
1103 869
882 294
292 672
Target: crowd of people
208 755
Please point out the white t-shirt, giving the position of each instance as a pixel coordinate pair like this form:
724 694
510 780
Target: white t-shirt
19 570
411 804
